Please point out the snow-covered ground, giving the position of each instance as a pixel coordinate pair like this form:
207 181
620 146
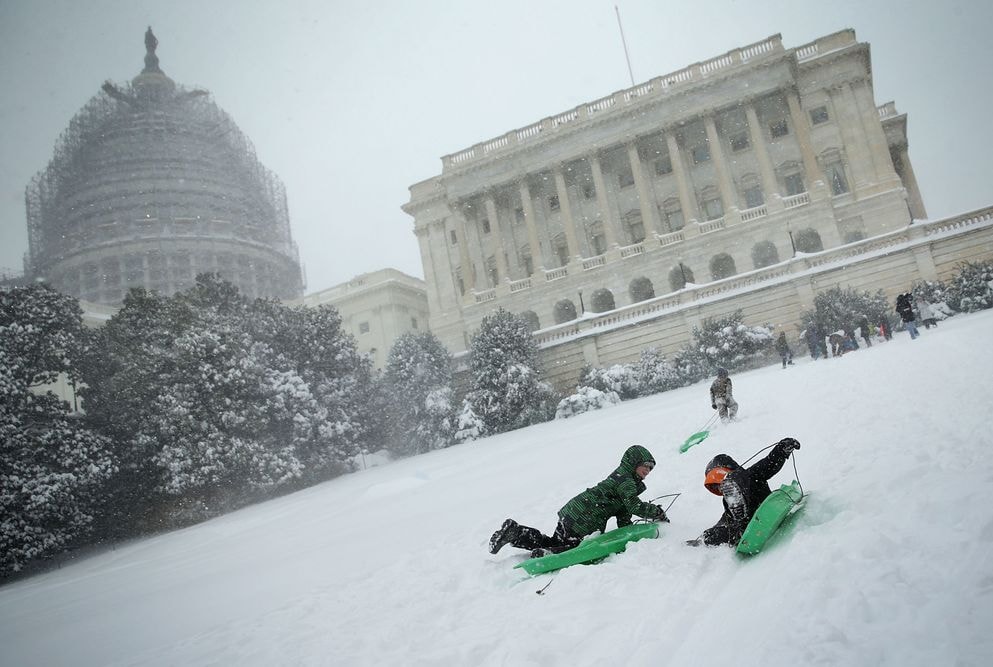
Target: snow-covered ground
891 563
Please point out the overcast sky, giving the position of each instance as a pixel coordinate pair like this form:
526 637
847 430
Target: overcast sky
351 102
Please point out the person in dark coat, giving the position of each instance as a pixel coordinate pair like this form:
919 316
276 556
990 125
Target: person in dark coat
810 335
588 512
743 490
865 331
905 308
721 396
784 350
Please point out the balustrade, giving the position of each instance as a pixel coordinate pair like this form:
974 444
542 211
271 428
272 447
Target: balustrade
796 200
632 250
753 213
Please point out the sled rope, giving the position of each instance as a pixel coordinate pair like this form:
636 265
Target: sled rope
796 475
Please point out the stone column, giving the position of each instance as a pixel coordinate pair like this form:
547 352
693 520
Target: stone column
875 136
496 233
465 255
728 193
537 261
646 202
609 224
802 131
773 200
909 180
687 199
565 210
427 241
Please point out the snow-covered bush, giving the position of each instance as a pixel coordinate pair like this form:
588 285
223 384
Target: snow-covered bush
971 289
468 425
845 309
584 400
506 390
53 470
619 379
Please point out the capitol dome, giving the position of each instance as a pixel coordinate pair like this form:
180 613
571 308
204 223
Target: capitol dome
150 185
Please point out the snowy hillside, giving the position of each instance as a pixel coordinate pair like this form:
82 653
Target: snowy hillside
890 564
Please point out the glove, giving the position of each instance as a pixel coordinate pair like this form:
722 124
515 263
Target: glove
713 406
661 518
788 444
694 543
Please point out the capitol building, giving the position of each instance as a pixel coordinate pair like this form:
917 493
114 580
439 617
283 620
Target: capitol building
150 185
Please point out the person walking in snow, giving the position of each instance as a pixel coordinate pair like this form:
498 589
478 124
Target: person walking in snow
810 335
865 331
588 512
743 490
784 349
905 309
925 312
721 397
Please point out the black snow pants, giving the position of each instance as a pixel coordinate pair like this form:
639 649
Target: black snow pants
532 538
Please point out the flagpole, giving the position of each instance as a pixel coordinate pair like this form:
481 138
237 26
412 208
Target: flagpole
624 43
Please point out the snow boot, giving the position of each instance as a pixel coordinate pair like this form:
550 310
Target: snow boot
508 532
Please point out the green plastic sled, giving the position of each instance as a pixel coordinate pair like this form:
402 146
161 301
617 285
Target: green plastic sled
591 549
694 439
769 516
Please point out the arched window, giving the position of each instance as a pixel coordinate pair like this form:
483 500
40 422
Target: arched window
640 289
679 275
764 253
532 320
564 311
807 240
722 266
602 300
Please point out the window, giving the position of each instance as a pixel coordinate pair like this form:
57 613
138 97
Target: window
363 327
553 203
672 213
794 184
739 142
562 252
779 128
700 153
589 192
598 243
663 166
713 208
528 265
486 225
453 236
625 178
819 115
836 176
754 196
635 227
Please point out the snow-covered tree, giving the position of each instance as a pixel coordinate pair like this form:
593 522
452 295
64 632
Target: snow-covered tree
728 342
468 425
506 387
655 373
971 289
417 386
215 401
53 470
838 309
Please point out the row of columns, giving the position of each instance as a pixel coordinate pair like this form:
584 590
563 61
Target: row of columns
853 133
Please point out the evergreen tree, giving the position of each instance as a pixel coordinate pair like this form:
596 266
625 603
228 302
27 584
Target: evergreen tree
417 383
728 342
507 391
52 469
655 373
838 309
971 289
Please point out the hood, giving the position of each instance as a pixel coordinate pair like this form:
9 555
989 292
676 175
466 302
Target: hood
634 456
722 461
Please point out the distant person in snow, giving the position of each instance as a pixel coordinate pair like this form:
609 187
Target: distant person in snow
784 349
743 490
616 496
925 312
814 345
865 331
721 397
905 308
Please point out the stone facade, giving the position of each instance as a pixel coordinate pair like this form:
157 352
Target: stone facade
376 308
733 165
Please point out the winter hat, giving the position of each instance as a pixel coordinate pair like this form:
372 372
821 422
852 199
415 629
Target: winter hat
722 372
717 470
